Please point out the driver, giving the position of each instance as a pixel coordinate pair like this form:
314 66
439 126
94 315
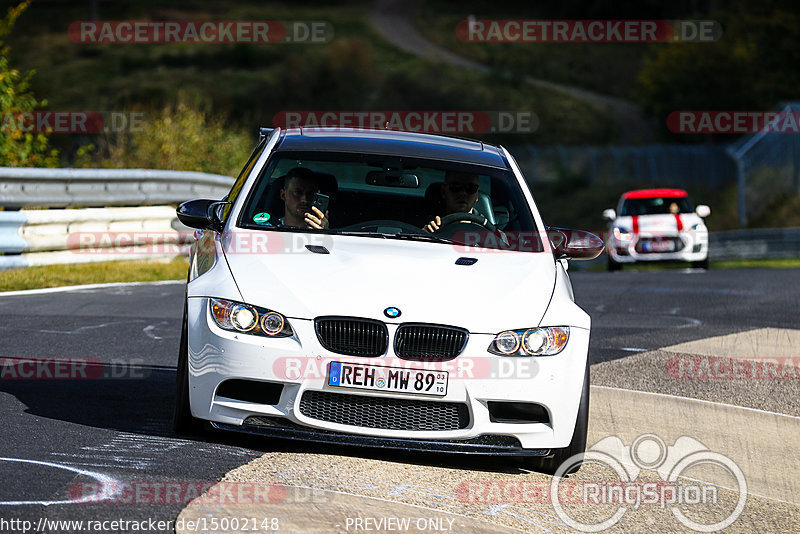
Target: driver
460 193
299 188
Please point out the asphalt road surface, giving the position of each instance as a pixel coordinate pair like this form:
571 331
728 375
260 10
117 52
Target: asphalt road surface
61 436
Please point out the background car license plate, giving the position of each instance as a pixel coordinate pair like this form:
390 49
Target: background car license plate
660 246
375 377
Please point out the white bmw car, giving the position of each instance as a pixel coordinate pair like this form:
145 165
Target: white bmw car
656 225
385 289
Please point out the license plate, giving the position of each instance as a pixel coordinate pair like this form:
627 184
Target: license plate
659 246
378 378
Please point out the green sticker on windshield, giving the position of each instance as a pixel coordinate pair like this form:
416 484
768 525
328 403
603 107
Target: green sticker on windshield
261 218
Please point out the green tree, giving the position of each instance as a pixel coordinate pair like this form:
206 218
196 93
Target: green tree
749 67
18 147
180 136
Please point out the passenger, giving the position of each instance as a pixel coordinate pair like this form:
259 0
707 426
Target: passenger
299 188
460 193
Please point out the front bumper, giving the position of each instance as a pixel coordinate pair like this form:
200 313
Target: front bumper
300 364
691 246
486 444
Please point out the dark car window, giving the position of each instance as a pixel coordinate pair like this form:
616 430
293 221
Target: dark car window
655 206
367 196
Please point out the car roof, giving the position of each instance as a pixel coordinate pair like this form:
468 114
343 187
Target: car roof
392 143
655 193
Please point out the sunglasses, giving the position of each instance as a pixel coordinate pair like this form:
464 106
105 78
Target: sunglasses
470 189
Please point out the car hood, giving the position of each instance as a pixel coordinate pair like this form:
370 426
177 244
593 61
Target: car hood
666 224
362 276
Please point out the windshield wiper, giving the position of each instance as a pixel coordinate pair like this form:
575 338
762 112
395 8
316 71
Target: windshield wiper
363 234
425 237
409 237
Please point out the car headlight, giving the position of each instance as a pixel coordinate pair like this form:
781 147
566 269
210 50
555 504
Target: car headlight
530 342
622 234
240 317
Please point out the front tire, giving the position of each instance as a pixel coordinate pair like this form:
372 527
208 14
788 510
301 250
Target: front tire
183 422
702 264
550 465
612 265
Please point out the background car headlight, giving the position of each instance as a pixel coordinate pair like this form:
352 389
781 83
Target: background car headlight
530 342
622 234
240 317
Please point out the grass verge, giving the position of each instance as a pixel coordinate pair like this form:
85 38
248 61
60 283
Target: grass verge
782 263
93 273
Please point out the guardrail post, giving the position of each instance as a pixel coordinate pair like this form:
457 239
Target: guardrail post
741 180
796 162
10 238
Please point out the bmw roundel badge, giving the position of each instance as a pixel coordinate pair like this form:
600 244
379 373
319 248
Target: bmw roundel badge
392 312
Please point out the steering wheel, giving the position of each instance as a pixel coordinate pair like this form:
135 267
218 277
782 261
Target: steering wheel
474 218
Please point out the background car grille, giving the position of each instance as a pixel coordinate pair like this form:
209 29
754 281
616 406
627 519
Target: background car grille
352 336
429 342
384 412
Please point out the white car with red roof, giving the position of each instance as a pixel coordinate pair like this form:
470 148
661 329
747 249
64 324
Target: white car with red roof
657 225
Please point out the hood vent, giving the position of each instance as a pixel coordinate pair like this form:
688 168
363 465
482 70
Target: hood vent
466 261
318 249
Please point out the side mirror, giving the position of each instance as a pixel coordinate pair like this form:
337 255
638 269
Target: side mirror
201 214
609 214
575 244
702 210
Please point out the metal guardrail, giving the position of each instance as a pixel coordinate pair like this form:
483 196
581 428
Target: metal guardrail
754 243
22 187
39 237
45 237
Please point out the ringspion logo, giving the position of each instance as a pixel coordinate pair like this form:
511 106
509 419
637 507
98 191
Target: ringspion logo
678 489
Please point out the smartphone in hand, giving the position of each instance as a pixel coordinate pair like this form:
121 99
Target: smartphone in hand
321 202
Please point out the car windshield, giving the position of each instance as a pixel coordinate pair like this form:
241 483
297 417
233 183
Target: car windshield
655 206
391 197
